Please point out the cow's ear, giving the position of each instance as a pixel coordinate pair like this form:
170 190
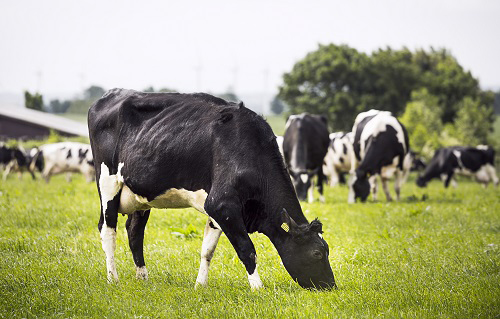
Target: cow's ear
287 222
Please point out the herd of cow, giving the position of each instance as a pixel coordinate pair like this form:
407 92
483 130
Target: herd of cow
377 146
172 150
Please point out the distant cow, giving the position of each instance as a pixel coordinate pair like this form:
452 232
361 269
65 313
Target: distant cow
380 148
66 157
469 161
14 159
305 146
170 150
338 159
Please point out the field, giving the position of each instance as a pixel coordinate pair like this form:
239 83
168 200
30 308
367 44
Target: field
436 254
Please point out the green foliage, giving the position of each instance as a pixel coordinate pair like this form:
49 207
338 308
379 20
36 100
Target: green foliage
437 258
340 82
422 119
188 232
33 101
474 121
53 137
93 93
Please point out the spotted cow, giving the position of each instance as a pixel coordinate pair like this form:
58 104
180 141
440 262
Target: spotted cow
65 157
338 158
305 144
477 162
171 150
380 147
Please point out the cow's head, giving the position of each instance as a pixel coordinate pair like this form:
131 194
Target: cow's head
305 254
360 186
421 182
302 182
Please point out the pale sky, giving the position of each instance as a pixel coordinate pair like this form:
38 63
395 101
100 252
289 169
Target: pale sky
65 46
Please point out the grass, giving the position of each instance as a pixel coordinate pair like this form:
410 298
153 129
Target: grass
438 258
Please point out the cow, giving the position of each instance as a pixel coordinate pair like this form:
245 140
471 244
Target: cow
380 147
305 144
173 150
15 159
469 161
338 158
65 157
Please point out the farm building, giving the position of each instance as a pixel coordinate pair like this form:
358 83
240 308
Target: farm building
21 123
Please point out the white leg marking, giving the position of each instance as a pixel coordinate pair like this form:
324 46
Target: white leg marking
254 280
141 272
109 186
210 240
374 186
108 237
351 198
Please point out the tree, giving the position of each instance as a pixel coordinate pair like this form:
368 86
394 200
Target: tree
33 101
328 81
422 119
56 106
340 82
93 93
473 124
445 78
277 106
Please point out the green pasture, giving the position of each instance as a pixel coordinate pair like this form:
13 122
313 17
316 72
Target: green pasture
436 254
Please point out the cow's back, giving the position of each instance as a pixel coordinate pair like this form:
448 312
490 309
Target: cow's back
172 140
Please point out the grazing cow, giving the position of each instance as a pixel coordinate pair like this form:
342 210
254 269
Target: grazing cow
338 159
469 161
305 145
171 150
14 159
65 157
380 147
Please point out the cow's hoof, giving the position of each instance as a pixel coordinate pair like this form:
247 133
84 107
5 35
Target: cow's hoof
141 273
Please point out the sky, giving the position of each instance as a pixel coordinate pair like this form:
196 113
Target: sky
62 47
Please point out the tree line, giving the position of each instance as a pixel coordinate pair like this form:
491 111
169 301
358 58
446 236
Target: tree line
440 103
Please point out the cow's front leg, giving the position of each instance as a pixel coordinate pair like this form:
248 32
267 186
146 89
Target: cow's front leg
110 190
321 178
385 186
210 239
373 186
228 214
136 223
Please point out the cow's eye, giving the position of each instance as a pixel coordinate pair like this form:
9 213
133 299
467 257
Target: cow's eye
317 254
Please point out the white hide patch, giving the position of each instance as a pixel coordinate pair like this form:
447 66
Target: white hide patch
141 272
172 198
377 125
254 279
304 178
109 185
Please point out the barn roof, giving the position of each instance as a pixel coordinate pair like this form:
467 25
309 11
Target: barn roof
48 120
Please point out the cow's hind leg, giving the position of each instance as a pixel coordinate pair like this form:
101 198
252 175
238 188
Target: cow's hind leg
110 189
210 240
227 212
135 225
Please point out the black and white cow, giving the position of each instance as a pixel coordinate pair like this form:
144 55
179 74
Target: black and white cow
469 161
338 159
66 157
171 150
380 147
305 144
14 159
